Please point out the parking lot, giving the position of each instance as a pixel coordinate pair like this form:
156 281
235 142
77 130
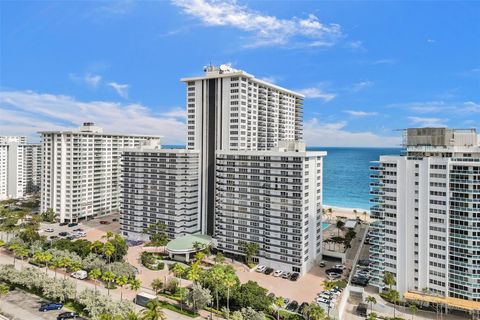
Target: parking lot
21 305
93 228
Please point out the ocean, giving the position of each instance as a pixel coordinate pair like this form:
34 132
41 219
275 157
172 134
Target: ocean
346 175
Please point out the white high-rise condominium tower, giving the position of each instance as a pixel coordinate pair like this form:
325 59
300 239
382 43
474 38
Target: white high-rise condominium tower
427 214
229 109
274 199
81 171
20 165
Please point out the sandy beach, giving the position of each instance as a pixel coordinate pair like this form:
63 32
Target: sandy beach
349 213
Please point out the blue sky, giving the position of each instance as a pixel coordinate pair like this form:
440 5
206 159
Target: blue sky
366 68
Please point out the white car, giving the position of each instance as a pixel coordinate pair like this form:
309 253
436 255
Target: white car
277 273
49 230
80 234
334 276
286 275
261 268
323 300
339 266
80 274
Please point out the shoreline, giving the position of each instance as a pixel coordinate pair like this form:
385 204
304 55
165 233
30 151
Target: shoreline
347 212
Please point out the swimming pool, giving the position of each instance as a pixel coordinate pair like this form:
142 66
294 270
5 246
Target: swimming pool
325 225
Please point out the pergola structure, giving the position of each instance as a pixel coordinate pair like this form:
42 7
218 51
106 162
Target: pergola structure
183 247
472 307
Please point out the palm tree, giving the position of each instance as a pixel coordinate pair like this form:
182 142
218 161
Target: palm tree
278 302
21 252
121 281
109 235
108 277
219 258
178 269
135 285
394 297
340 224
365 215
108 250
55 264
327 285
43 257
153 311
389 280
96 246
157 286
371 300
132 315
218 274
413 309
194 272
229 281
314 312
65 263
95 274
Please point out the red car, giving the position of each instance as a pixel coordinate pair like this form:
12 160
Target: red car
104 222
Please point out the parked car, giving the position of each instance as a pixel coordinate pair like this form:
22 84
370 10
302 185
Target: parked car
80 274
363 282
261 268
115 219
67 315
294 276
286 275
364 262
63 223
104 222
271 295
339 266
50 306
53 237
302 307
277 273
333 276
64 234
49 230
268 271
334 270
323 300
286 301
78 230
293 306
361 310
321 265
72 224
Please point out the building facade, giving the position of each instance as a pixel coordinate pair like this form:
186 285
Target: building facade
427 214
159 186
229 109
20 167
274 199
81 171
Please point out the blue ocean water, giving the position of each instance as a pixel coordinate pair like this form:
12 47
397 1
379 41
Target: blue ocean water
346 175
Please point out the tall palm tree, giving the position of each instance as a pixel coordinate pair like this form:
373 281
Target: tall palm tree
153 311
157 285
135 285
194 272
314 312
389 280
43 257
95 274
109 235
217 273
108 277
413 309
229 281
278 302
108 250
121 281
96 246
371 300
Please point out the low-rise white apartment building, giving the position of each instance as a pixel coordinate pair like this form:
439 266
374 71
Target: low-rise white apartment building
272 198
159 186
427 214
20 167
81 171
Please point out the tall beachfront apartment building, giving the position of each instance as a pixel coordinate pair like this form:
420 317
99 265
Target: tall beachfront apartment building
244 176
229 109
20 167
274 199
81 171
159 186
427 214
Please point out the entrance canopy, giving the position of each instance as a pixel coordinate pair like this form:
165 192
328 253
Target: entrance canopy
187 243
455 303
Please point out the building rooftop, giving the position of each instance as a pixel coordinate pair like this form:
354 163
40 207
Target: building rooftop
440 137
186 243
90 128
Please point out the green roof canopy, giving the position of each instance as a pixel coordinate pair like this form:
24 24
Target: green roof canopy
185 244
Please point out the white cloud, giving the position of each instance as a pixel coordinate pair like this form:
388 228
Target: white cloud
265 30
121 89
362 85
457 109
430 41
271 79
92 80
360 113
316 93
428 122
176 113
336 135
27 112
